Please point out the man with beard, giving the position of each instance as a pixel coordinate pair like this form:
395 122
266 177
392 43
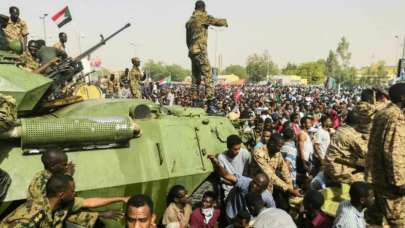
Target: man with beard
16 28
53 210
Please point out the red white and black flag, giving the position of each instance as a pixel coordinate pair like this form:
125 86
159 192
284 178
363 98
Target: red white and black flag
62 17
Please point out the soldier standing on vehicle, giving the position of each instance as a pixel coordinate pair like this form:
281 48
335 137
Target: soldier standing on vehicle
385 161
16 28
135 78
62 41
197 38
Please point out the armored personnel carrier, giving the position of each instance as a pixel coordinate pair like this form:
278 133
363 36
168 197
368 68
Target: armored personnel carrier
120 147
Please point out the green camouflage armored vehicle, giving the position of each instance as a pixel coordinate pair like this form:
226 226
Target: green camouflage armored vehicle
102 138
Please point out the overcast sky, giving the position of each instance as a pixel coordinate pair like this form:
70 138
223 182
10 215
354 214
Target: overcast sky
291 30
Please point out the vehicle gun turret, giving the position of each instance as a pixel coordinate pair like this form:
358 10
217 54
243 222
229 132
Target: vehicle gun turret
65 70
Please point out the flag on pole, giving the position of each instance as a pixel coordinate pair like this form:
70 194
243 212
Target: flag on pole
166 80
62 17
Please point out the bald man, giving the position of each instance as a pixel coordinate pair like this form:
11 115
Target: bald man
235 201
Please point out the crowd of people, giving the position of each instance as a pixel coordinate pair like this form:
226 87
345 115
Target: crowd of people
295 144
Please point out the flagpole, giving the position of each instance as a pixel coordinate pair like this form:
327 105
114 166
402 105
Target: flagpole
44 24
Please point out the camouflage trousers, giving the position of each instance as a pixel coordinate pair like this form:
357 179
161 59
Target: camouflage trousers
392 207
201 69
83 218
136 90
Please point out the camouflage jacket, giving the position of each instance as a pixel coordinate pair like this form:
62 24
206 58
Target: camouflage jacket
37 193
364 113
8 112
16 31
350 146
274 167
39 214
136 75
386 157
37 187
29 61
197 30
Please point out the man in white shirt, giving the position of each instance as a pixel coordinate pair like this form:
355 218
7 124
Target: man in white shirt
322 137
235 159
350 214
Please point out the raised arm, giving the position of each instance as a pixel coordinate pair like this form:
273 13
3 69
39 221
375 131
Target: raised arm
222 172
217 21
99 202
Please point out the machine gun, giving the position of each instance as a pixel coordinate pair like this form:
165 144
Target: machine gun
65 70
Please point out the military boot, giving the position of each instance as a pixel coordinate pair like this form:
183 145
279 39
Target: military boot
212 109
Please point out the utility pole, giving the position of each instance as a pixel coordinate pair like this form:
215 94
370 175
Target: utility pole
216 45
403 49
79 40
268 64
134 45
44 24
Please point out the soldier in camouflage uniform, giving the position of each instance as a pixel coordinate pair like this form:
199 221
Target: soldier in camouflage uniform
8 112
16 28
57 206
28 58
135 78
386 157
345 158
54 162
197 37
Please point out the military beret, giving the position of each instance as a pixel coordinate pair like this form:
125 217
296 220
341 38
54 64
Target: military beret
136 59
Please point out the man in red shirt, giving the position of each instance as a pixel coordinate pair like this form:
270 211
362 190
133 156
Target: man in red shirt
207 215
311 215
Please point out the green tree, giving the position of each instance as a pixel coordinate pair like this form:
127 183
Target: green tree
290 69
236 70
259 66
158 71
343 52
346 73
331 65
314 72
177 72
375 74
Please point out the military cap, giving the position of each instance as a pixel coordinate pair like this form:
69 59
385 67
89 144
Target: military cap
382 91
364 113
